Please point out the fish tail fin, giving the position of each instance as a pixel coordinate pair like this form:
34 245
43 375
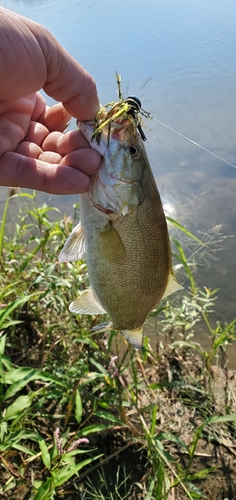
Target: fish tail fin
134 337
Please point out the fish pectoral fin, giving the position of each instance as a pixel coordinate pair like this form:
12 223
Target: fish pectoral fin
134 337
86 303
74 248
113 243
172 286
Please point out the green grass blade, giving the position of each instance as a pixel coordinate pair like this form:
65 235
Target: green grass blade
183 260
3 224
184 230
5 313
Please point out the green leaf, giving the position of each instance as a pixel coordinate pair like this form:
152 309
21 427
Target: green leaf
78 407
23 434
6 362
201 474
2 349
70 470
23 449
45 453
31 254
72 453
93 428
195 492
167 436
23 195
20 404
12 322
153 420
219 419
19 377
2 344
45 489
150 490
98 366
192 345
108 416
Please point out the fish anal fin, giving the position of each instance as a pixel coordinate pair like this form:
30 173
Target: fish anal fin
134 337
74 248
172 286
86 303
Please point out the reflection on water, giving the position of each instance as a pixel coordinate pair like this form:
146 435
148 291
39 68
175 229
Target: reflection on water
181 63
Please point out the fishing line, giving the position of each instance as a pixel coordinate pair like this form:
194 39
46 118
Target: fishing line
135 105
193 142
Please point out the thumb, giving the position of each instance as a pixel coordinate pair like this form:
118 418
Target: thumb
66 80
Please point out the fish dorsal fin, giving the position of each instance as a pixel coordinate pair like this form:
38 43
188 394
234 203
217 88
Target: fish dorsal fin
74 248
86 303
172 286
134 337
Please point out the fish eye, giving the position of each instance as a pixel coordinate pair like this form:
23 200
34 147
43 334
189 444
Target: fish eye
134 151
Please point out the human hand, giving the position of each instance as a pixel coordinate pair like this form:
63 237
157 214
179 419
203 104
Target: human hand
34 152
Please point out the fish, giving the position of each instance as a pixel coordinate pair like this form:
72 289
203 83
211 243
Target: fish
123 230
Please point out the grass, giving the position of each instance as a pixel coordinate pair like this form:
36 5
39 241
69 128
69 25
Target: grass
83 416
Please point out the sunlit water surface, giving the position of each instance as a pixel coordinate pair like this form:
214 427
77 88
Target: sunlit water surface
178 57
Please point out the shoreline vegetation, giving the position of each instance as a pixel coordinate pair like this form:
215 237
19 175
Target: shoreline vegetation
82 415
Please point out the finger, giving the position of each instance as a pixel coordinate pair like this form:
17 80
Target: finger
45 65
20 171
55 118
29 149
86 160
36 133
32 150
65 143
39 108
14 121
50 157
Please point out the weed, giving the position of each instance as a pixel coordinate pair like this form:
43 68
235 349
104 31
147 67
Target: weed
82 414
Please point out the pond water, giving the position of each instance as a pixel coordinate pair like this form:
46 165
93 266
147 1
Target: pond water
178 57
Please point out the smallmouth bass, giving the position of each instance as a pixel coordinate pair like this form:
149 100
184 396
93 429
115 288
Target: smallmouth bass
123 231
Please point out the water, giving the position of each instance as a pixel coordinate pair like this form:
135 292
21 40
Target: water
178 57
